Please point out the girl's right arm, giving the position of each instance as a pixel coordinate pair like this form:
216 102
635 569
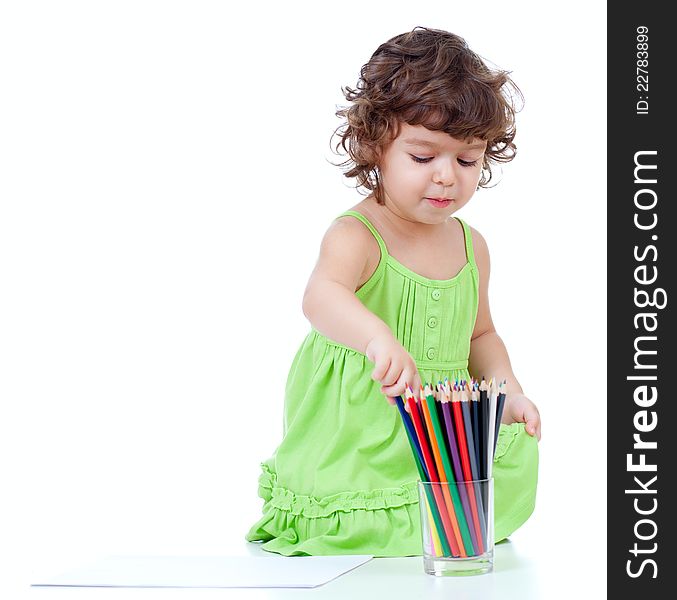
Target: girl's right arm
333 309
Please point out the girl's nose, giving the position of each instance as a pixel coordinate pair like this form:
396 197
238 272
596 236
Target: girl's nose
444 174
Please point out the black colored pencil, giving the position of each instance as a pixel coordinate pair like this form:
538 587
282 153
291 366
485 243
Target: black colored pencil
499 411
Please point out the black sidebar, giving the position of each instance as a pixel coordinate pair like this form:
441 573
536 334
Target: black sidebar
641 232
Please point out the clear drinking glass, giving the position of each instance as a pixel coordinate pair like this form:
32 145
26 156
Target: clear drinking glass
457 527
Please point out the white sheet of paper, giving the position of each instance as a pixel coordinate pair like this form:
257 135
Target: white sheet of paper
208 571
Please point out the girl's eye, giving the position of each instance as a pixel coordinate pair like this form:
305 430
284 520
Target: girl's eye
463 163
467 163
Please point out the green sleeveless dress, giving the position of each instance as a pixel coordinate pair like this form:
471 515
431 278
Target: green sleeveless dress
343 480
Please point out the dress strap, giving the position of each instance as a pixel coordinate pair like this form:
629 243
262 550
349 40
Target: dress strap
375 233
470 254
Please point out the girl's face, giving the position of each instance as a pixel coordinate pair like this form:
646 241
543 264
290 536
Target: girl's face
421 165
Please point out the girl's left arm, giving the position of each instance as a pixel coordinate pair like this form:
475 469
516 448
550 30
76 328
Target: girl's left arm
488 354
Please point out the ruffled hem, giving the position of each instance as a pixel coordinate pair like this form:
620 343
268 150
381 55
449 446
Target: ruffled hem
312 508
379 522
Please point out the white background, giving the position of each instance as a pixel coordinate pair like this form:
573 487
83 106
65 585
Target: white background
166 181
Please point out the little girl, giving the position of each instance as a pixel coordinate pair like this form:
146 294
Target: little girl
398 296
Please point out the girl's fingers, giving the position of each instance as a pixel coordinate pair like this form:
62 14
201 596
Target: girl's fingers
408 377
392 376
380 369
416 383
534 428
393 390
397 388
533 423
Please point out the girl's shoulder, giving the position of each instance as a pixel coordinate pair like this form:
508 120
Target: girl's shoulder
477 238
350 232
480 249
350 229
346 249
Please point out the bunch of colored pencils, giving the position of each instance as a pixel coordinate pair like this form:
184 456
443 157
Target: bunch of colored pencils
452 430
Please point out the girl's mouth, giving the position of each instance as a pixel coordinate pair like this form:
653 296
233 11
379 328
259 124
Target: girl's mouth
439 203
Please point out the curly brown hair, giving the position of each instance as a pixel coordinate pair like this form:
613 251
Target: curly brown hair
425 77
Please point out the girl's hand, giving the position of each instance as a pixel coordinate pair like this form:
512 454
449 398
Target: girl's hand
394 366
519 409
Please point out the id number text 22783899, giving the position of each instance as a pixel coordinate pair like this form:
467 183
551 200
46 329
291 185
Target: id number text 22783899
642 106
